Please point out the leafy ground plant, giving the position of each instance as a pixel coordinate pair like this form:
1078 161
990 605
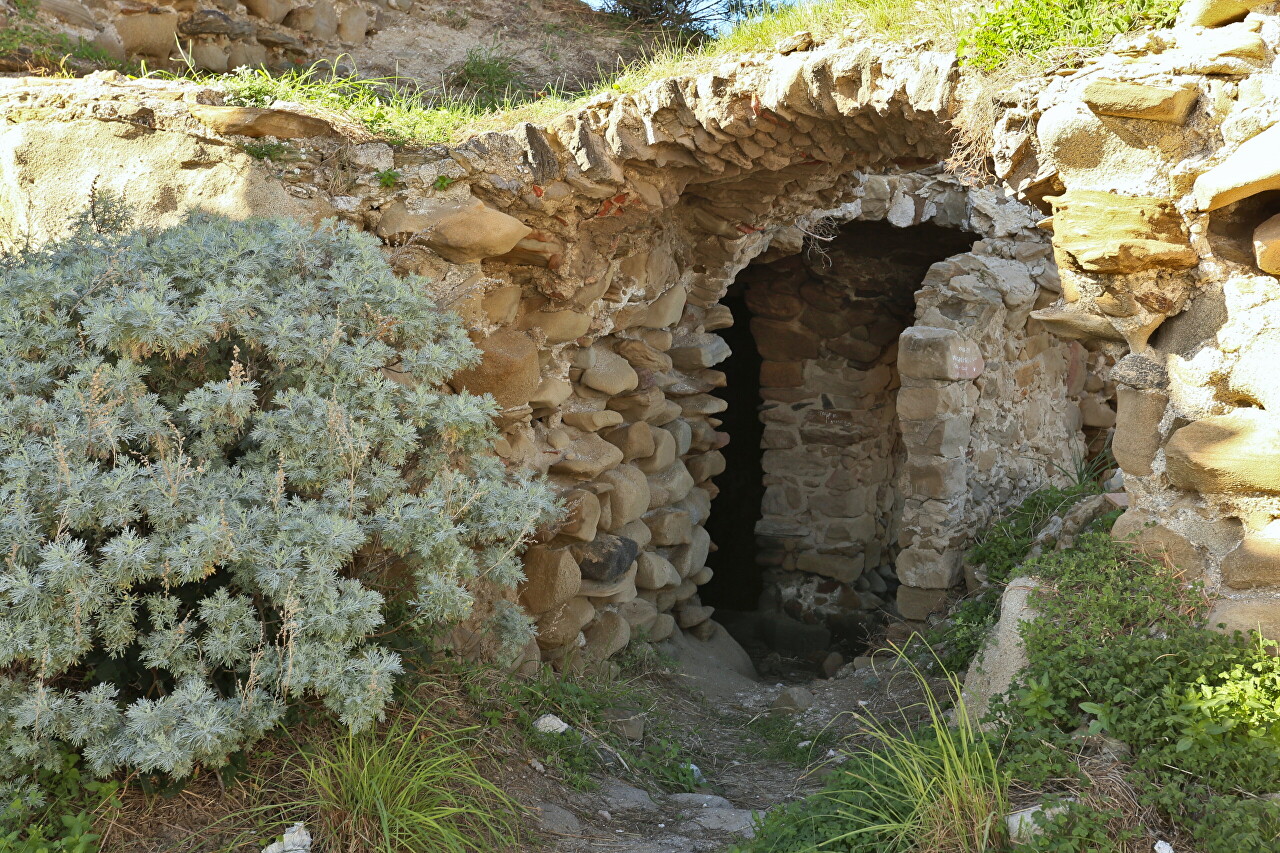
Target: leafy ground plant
213 489
1119 649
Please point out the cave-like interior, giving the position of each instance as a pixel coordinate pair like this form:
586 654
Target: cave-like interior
805 523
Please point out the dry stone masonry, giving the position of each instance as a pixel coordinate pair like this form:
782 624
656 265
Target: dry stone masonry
913 386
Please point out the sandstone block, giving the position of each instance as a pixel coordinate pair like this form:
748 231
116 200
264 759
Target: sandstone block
628 497
689 616
653 571
930 353
1236 452
1266 245
1137 435
353 24
151 31
1250 169
1138 100
926 402
669 485
946 436
835 566
669 526
689 559
558 326
640 405
663 627
319 19
584 515
1077 325
588 458
1211 13
642 356
1255 562
1254 377
705 466
782 374
1158 542
607 635
697 352
472 232
610 374
560 627
1108 233
1096 413
773 304
635 531
636 441
1245 615
592 421
664 452
937 477
271 11
639 613
665 311
928 569
508 369
916 604
551 579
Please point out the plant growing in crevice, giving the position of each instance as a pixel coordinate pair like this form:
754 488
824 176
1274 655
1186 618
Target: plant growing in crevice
214 486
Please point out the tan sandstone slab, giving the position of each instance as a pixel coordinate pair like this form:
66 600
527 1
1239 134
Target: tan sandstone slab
1252 168
1137 436
1138 100
1211 13
1261 615
1266 245
1236 452
1108 233
1156 541
248 121
1255 561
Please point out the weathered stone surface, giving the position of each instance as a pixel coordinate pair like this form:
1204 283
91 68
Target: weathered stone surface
247 121
151 31
472 232
1236 452
551 579
655 572
1253 377
1158 542
559 627
1077 325
508 369
916 604
592 421
1139 100
778 341
1108 233
1266 245
1137 436
607 558
607 635
1261 615
928 569
669 526
628 497
1003 654
663 627
639 613
1250 169
836 566
663 454
583 516
932 353
588 458
610 374
1256 560
618 590
1211 13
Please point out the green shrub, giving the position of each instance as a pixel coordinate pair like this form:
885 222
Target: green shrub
1119 647
212 482
1034 28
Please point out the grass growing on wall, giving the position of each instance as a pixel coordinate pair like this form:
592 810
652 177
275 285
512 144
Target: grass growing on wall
1029 34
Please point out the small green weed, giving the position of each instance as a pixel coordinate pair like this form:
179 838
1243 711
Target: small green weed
273 151
785 741
387 177
488 76
56 815
442 182
590 745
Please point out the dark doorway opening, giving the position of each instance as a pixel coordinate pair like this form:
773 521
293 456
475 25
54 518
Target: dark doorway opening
805 523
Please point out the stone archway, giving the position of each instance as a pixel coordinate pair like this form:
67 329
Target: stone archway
590 258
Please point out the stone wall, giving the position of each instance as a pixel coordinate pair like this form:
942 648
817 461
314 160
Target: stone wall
1158 164
590 258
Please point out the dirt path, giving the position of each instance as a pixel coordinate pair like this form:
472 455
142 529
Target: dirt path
749 766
